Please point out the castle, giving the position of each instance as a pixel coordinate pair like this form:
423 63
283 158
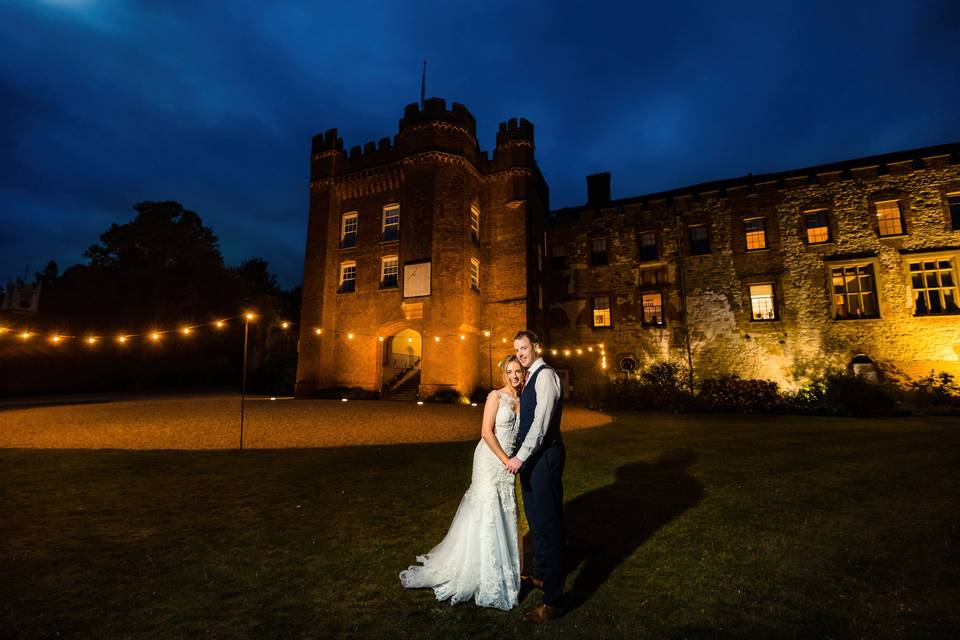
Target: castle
425 254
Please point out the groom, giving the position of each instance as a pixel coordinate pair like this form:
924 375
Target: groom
539 460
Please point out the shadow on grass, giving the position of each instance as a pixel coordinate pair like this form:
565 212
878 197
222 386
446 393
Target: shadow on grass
607 525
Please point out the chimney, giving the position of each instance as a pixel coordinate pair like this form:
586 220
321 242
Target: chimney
598 188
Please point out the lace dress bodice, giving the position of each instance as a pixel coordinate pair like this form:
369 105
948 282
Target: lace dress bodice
506 424
479 557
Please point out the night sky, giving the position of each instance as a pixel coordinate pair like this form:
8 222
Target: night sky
106 103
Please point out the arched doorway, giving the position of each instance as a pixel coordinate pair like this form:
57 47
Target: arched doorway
402 354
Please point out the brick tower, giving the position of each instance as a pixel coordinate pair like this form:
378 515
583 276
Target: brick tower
423 255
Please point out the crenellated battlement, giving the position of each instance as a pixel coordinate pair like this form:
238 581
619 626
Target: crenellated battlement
513 131
435 110
432 128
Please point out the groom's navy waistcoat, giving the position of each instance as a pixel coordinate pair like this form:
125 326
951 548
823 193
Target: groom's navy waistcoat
528 406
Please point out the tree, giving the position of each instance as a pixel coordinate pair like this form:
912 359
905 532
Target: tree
161 267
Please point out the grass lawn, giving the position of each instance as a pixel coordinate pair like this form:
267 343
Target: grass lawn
679 527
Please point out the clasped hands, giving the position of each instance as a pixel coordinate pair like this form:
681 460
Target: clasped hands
513 465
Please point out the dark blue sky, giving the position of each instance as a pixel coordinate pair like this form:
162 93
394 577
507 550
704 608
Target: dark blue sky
104 103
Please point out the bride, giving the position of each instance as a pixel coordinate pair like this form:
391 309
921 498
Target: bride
479 556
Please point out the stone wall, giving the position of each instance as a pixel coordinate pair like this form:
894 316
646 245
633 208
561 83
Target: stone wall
805 337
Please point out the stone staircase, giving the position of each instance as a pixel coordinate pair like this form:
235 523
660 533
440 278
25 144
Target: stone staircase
408 390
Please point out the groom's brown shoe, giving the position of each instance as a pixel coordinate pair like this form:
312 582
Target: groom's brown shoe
530 581
543 613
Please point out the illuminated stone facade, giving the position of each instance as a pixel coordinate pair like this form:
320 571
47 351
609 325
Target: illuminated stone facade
774 276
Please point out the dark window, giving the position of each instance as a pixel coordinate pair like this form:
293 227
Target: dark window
558 258
348 230
934 289
699 240
598 251
854 292
389 268
818 229
391 223
953 201
652 308
348 277
648 245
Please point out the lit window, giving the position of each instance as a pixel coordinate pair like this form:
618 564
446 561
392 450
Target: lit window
761 302
598 251
889 218
601 312
854 292
934 286
699 240
474 274
652 308
475 225
348 277
953 202
756 232
818 231
391 222
389 268
648 245
348 230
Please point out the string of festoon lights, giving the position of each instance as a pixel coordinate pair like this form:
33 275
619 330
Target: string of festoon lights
185 330
92 338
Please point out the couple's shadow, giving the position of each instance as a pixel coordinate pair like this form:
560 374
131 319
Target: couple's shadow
607 525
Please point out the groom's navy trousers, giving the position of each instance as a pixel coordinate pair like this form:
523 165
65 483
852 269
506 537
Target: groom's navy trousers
541 478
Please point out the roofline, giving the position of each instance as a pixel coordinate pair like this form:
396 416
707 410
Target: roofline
949 149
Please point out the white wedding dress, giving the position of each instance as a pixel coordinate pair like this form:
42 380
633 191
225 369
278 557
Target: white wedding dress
479 558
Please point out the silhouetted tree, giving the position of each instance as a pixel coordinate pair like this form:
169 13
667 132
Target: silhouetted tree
164 266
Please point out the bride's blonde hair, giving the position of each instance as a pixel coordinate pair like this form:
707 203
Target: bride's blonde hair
506 361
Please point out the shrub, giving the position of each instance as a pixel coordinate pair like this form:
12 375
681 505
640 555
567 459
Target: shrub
352 393
448 396
848 395
935 393
663 385
731 394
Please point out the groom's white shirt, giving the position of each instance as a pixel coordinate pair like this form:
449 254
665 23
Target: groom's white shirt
548 390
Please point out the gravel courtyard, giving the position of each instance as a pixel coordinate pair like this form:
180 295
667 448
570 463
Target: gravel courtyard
213 422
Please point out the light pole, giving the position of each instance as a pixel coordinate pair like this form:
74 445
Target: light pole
247 317
489 356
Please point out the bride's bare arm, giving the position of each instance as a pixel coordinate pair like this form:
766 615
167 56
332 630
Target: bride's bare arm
486 428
